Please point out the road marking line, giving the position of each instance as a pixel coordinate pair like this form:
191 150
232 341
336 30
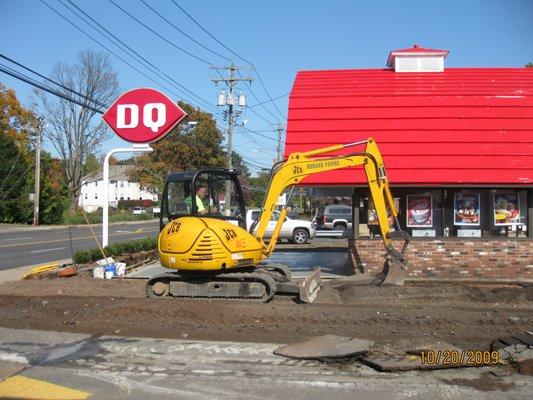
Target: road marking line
21 238
22 387
45 250
66 239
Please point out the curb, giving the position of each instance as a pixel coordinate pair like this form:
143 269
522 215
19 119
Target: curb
17 273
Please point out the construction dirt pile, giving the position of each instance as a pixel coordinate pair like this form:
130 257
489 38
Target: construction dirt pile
465 315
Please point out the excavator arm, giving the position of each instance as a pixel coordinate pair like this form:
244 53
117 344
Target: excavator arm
299 165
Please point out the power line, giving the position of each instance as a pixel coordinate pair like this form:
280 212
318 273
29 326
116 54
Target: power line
184 91
232 52
268 94
183 33
159 35
205 30
5 69
268 101
260 134
105 47
52 81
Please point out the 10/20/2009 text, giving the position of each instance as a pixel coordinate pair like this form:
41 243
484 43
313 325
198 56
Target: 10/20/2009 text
459 357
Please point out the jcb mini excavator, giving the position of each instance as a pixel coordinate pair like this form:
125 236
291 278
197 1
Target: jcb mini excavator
203 233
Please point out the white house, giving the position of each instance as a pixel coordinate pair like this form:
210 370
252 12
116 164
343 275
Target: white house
120 188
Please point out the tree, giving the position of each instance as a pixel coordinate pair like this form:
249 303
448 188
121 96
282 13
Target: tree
238 165
259 186
529 65
17 126
184 148
54 193
75 131
91 165
15 205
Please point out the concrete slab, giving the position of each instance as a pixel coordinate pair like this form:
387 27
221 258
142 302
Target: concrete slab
326 346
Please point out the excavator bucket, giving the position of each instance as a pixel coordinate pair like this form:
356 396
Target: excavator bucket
310 287
393 274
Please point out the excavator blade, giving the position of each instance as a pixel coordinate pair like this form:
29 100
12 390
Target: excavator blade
310 287
392 275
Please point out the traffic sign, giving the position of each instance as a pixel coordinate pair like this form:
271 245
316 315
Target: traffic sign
143 115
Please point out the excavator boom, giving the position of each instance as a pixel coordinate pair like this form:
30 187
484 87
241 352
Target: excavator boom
299 165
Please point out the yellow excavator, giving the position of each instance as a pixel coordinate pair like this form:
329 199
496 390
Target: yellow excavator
204 237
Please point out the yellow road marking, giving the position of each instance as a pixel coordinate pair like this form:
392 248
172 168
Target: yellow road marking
73 239
21 387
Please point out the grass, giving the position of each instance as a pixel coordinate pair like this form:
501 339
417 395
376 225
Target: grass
116 249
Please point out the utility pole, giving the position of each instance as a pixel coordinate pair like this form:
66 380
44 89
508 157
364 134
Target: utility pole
37 175
279 129
227 98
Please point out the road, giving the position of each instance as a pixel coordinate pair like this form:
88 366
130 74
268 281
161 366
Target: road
20 247
66 365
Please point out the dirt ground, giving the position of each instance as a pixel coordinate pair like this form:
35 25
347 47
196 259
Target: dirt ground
466 315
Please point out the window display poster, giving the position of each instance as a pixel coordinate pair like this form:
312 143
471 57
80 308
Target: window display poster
466 209
373 216
506 209
419 211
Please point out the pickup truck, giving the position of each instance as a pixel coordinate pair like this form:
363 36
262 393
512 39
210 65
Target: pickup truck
294 230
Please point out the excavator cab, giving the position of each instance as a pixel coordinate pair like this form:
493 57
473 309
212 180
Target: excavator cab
206 193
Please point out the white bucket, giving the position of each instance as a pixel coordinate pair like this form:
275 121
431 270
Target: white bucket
98 272
110 271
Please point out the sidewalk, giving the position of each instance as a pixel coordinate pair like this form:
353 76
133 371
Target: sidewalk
9 228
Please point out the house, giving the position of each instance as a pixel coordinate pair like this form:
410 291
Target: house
121 187
458 147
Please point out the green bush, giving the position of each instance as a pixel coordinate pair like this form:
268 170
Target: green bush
116 249
95 218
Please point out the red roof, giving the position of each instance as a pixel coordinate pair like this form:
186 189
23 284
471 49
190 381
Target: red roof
461 126
416 50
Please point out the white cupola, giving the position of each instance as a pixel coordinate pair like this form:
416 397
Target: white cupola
417 59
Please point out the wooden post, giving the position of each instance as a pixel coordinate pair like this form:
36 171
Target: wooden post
530 213
355 214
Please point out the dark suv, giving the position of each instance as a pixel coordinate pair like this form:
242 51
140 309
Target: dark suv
336 216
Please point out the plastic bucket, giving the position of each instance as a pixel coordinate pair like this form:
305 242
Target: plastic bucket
110 271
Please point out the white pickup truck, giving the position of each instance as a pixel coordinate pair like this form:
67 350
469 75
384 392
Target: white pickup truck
294 230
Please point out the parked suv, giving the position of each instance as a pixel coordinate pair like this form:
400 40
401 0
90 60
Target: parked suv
337 217
294 230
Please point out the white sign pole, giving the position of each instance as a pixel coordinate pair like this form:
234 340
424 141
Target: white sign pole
105 206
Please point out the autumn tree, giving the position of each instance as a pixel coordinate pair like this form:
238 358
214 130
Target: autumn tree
186 147
17 125
75 131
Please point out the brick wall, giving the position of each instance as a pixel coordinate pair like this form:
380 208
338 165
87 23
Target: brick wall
449 258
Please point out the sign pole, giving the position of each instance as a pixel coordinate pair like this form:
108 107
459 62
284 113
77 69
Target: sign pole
139 116
105 198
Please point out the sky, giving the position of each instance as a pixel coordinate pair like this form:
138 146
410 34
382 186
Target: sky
279 38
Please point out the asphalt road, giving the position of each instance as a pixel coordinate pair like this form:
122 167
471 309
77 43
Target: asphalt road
45 364
21 247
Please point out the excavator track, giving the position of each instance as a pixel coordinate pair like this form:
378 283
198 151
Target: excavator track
259 284
254 286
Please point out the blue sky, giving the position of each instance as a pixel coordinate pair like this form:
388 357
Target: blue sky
279 37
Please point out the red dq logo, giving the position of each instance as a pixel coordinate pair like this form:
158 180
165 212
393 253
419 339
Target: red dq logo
143 115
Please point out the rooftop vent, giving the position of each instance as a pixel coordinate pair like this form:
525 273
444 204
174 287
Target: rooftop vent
417 59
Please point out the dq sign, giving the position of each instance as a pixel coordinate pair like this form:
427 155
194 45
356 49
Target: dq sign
143 115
